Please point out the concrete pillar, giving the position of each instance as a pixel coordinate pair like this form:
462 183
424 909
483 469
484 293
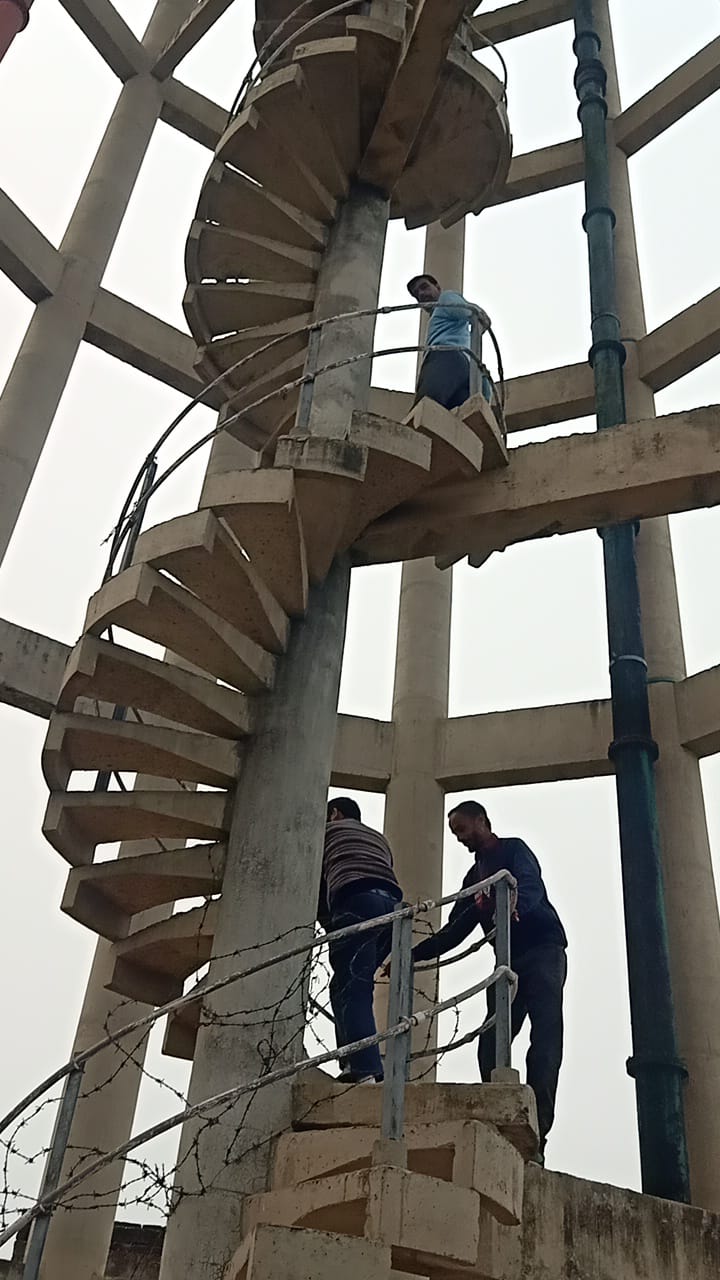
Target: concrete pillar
692 906
415 805
348 282
43 363
272 875
78 1240
269 891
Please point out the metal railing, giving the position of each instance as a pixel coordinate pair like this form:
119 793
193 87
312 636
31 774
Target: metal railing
402 1020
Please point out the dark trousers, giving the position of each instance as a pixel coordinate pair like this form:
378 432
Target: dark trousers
354 961
445 378
541 975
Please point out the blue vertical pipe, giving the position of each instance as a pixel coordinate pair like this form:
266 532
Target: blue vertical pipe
655 1065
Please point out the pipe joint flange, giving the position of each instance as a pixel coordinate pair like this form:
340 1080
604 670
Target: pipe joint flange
607 344
628 741
588 34
608 212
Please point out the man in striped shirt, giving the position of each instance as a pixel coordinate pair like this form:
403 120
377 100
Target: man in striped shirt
358 883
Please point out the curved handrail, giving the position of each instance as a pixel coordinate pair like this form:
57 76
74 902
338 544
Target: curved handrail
128 518
111 1039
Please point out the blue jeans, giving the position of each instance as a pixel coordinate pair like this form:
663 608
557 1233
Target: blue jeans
353 961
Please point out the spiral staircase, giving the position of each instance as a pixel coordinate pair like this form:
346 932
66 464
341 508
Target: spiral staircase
407 111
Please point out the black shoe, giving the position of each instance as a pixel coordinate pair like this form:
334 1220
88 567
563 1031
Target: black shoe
354 1077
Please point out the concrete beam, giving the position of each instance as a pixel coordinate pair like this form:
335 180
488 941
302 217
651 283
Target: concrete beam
203 17
645 469
670 100
697 701
550 395
363 753
193 114
682 344
521 19
100 21
31 668
534 744
26 256
147 343
543 170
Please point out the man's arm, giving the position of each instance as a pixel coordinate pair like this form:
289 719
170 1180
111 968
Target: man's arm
464 917
449 298
530 888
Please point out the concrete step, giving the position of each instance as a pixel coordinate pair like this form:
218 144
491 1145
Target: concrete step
218 253
212 309
461 155
467 1153
480 419
398 467
294 20
235 203
345 484
204 556
284 102
250 146
426 1223
328 475
457 451
291 1253
257 349
320 1103
331 71
153 964
181 1028
77 821
111 673
87 742
145 602
261 510
106 895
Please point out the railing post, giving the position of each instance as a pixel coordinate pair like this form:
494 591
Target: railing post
502 987
476 349
307 389
102 781
63 1124
397 1054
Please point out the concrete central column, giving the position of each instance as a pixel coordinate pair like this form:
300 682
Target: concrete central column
415 805
272 877
692 907
269 892
42 366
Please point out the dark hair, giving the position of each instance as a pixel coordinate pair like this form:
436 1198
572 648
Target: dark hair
348 808
424 275
473 809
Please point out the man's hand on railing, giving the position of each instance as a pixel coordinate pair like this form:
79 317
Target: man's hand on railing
485 905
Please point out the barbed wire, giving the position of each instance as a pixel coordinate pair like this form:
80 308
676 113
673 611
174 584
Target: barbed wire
151 1183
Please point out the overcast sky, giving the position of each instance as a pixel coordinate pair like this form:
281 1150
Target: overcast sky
528 628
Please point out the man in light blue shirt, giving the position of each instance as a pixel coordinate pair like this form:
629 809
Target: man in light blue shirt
445 371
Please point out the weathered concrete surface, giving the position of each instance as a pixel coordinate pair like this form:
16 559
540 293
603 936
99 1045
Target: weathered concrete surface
578 1230
31 668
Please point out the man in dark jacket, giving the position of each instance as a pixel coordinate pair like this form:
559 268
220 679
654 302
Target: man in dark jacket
358 883
537 951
